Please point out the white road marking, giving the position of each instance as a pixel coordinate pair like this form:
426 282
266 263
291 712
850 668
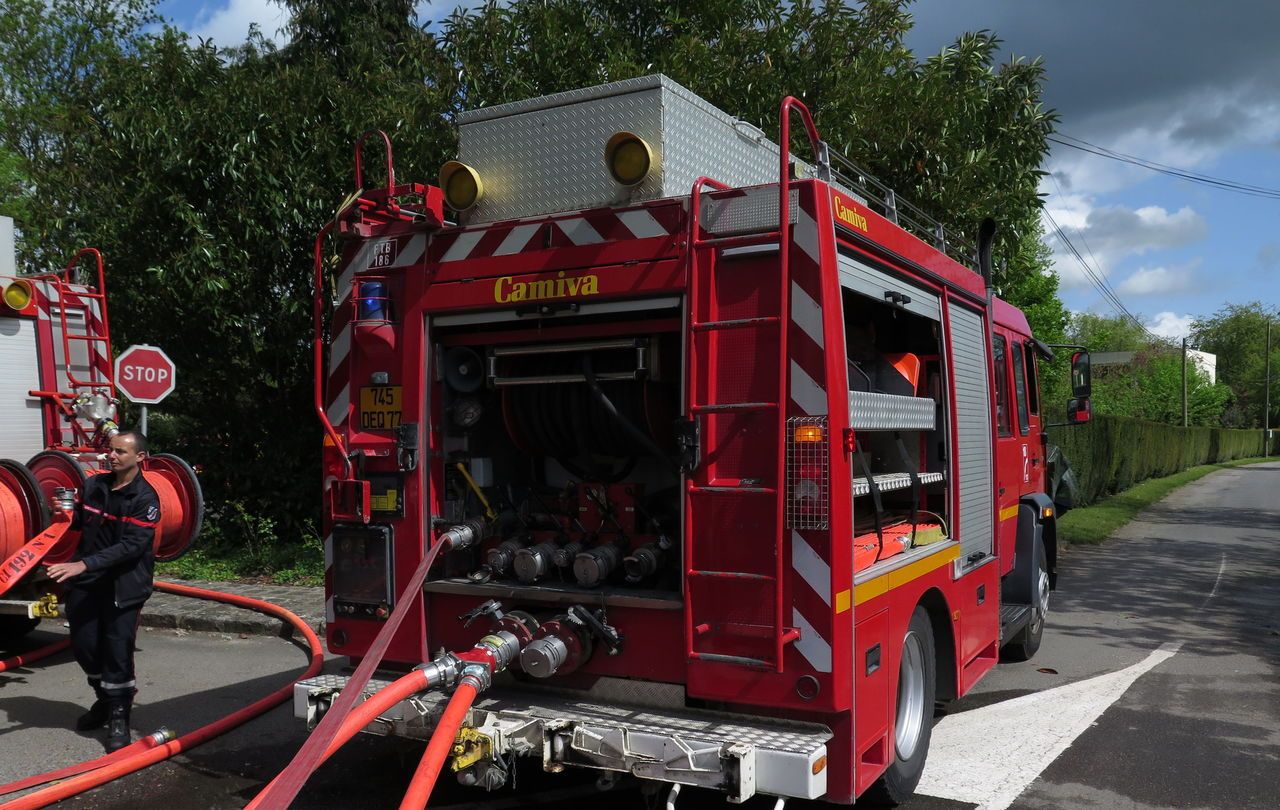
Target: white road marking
1222 566
988 756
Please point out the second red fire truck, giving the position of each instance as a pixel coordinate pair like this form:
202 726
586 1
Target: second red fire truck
735 458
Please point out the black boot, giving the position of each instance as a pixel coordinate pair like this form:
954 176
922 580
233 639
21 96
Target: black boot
96 717
118 725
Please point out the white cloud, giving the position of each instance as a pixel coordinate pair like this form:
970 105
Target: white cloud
1171 325
227 22
1157 280
1105 235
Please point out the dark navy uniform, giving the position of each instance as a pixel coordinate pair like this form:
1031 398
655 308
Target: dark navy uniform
117 529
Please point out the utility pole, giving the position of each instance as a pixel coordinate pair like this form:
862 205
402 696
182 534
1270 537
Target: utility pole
1266 398
1184 382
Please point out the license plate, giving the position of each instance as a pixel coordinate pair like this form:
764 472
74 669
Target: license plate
380 407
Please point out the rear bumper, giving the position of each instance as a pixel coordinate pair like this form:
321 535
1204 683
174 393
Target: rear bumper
737 754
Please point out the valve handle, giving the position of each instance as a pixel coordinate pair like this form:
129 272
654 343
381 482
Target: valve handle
491 608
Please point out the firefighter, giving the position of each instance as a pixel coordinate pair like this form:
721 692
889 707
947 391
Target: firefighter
108 581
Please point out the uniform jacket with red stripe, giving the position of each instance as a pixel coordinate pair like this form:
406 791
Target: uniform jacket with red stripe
117 529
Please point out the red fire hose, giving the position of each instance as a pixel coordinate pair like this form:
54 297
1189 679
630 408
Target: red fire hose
114 768
281 791
149 741
424 778
35 655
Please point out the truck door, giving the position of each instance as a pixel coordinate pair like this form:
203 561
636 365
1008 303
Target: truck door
1027 392
1009 448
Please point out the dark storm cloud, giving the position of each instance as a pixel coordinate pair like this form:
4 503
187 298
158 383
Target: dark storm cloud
1111 62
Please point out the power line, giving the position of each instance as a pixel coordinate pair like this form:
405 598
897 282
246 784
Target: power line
1219 183
1080 232
1096 279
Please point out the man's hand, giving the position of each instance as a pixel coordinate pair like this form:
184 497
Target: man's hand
61 572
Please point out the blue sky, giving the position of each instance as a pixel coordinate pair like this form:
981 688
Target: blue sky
1182 82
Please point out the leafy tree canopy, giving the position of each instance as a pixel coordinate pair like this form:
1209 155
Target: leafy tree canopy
1237 334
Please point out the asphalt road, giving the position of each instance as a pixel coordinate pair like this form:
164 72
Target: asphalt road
1158 685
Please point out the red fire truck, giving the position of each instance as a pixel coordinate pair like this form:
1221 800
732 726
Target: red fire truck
737 453
58 411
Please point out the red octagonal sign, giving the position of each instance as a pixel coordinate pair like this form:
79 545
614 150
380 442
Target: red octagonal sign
145 374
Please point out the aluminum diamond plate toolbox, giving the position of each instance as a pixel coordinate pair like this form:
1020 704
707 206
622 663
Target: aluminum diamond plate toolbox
887 482
547 154
739 754
875 411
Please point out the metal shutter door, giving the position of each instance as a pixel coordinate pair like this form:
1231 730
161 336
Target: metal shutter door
21 434
974 504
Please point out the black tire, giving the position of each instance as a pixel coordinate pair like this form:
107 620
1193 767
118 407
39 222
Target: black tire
1024 645
13 628
913 724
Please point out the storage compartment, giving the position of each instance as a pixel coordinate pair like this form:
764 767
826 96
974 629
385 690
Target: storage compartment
565 438
896 409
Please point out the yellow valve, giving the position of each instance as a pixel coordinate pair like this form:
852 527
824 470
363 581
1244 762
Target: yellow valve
46 607
471 482
469 747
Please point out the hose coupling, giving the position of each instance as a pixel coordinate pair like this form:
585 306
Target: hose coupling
466 534
443 670
162 735
477 676
503 645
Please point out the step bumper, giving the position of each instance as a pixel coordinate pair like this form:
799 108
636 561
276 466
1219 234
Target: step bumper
739 755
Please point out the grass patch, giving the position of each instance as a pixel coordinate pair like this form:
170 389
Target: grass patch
1090 525
286 566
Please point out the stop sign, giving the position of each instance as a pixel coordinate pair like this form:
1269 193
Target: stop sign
145 374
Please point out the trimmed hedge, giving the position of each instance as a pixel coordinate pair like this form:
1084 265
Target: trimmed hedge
1112 453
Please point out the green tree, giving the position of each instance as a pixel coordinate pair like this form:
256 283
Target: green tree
204 174
1108 333
1237 334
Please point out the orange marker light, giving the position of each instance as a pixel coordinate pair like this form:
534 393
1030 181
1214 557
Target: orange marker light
809 433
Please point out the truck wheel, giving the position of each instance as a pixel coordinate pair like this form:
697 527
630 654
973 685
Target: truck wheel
913 723
1027 642
13 628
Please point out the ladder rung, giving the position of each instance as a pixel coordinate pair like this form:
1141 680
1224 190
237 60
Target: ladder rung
734 490
730 575
735 406
731 659
87 337
706 326
740 239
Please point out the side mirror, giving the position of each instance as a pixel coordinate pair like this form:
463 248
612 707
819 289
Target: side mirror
1081 376
1078 411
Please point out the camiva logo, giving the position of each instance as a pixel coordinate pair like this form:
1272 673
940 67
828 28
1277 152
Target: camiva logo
507 291
847 215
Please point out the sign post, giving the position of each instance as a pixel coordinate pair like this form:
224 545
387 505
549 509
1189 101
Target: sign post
145 375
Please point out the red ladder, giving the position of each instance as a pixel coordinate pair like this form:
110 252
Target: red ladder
101 374
734 611
718 624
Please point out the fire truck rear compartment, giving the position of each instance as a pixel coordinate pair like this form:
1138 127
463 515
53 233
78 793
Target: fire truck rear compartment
572 442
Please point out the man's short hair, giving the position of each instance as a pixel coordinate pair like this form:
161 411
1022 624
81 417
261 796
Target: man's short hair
139 440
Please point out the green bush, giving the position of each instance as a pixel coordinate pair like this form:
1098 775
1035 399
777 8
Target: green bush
1109 454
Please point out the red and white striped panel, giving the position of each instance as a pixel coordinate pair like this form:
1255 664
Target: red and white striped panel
810 550
592 227
367 255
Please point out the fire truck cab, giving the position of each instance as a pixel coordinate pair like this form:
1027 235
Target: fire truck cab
754 463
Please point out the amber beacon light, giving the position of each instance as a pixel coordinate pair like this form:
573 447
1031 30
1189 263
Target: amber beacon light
461 185
629 158
18 294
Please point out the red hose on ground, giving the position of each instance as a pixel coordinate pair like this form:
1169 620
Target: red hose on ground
424 778
281 791
404 687
35 655
149 741
118 768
